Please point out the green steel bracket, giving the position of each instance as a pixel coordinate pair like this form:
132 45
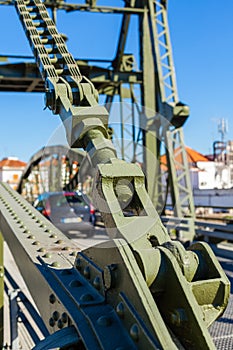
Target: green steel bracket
155 317
127 292
180 114
119 190
176 115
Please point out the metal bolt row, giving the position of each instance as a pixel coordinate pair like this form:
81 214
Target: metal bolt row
103 321
97 282
24 228
62 319
109 280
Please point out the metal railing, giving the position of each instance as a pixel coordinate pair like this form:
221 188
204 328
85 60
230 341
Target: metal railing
222 231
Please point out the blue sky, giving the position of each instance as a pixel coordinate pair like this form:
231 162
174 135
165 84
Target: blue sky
202 40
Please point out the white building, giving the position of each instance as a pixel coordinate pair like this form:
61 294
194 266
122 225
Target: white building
212 180
11 169
216 173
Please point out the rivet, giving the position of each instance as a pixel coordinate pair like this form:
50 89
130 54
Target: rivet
97 282
64 317
56 315
53 235
1 271
134 332
120 309
47 255
47 230
41 250
86 297
36 243
55 264
51 322
52 298
66 248
104 321
87 272
60 324
73 253
31 237
75 283
26 231
59 241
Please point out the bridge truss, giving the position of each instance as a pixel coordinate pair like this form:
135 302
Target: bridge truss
140 284
146 115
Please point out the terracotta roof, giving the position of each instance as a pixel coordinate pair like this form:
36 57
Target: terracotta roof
12 163
193 157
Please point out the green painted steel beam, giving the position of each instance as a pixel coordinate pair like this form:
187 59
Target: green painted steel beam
25 77
46 260
148 100
62 5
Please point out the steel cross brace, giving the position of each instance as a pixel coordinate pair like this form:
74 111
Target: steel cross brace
141 246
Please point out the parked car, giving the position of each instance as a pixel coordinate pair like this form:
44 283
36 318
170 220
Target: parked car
68 211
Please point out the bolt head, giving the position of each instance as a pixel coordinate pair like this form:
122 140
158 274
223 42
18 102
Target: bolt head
51 322
52 298
97 282
60 324
104 321
120 309
135 332
56 315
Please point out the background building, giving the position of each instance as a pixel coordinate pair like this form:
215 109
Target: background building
11 169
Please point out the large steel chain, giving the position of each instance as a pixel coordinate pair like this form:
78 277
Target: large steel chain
47 44
54 61
141 262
